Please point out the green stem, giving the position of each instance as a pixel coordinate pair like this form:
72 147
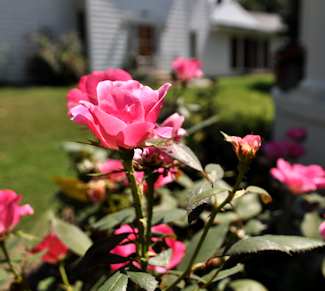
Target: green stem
64 277
241 173
12 269
128 165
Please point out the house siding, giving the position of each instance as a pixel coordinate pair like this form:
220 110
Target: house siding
18 21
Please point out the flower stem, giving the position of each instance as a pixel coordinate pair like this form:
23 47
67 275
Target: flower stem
64 277
241 173
136 195
12 269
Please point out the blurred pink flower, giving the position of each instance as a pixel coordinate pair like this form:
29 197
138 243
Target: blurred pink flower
322 229
87 87
187 69
124 114
297 134
128 246
10 211
55 249
246 147
283 149
299 178
114 170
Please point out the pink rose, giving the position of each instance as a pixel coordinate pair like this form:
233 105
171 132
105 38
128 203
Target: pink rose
55 249
322 229
297 134
166 241
246 147
124 114
87 87
171 128
299 178
10 211
187 69
283 149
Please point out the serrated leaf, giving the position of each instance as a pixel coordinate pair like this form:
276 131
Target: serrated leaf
265 196
224 273
184 154
211 244
144 280
76 240
280 243
166 216
310 225
246 285
162 259
120 217
117 282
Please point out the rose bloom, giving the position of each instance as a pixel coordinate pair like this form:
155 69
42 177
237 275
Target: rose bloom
283 149
187 69
87 87
124 114
322 229
55 249
10 211
127 247
299 178
297 134
246 147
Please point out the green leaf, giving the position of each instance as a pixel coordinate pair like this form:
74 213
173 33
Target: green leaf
76 240
166 216
162 259
247 206
214 171
194 288
280 243
109 221
184 154
211 244
246 285
254 227
310 225
45 284
4 275
144 280
117 282
224 273
265 196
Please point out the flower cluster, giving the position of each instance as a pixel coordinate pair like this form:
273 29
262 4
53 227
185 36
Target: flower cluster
299 178
162 234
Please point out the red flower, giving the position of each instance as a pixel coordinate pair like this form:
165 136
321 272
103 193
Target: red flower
55 249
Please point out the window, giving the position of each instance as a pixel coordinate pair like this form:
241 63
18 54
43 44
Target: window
193 48
146 40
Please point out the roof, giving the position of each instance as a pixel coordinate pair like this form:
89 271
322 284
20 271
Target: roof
230 14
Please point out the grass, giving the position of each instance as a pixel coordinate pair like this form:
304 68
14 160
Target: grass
33 125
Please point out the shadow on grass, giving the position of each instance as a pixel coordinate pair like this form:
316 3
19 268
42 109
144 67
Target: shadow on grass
262 86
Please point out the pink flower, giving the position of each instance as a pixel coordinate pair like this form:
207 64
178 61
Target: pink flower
246 147
171 128
283 149
87 87
124 114
187 69
55 249
297 134
168 241
10 211
322 229
299 178
114 169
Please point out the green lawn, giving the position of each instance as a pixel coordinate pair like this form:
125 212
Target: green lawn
33 125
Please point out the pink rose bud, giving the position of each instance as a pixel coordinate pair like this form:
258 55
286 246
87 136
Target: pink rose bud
246 147
124 114
10 211
171 128
322 229
87 87
299 178
187 69
55 249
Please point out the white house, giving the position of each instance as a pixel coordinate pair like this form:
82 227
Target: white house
305 105
221 33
